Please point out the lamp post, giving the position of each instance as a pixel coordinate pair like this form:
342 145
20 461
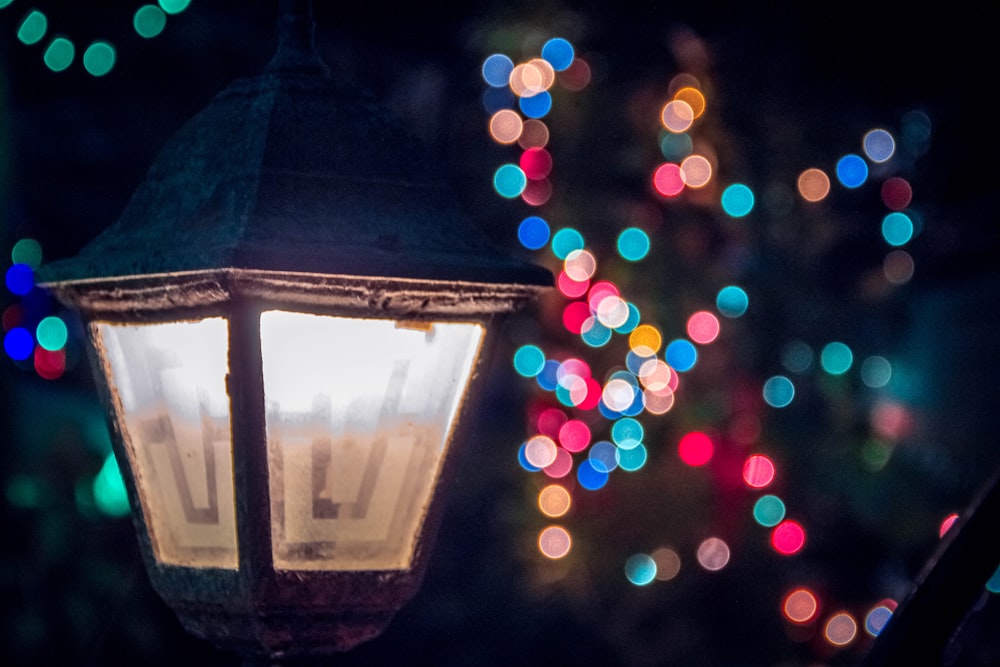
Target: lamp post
284 324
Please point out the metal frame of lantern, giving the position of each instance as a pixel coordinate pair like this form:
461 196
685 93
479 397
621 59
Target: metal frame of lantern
289 193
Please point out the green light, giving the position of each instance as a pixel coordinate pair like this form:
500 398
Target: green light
149 21
769 511
836 358
24 491
99 58
174 6
51 333
993 585
60 54
109 489
33 27
5 3
27 251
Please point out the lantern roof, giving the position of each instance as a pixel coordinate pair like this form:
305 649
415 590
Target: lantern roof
295 171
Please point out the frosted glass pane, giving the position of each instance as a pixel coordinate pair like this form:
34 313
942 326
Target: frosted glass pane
171 387
359 413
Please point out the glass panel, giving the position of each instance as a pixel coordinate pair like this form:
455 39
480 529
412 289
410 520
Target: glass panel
171 385
359 413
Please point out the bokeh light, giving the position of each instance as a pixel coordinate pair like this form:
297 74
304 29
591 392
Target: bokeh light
580 266
529 360
668 563
565 241
898 267
537 193
561 465
676 147
631 460
732 301
695 448
534 134
797 356
769 511
627 433
532 78
645 340
540 451
18 343
878 145
533 232
49 364
603 456
20 279
693 98
149 21
536 163
677 116
550 421
713 554
813 185
696 171
800 606
840 629
554 500
640 569
506 126
897 193
667 179
758 471
509 181
110 496
993 584
32 28
897 228
681 354
27 252
554 542
591 476
51 333
559 53
655 375
852 171
878 616
59 54
737 200
574 435
788 537
174 6
779 391
946 524
633 244
497 69
536 106
703 327
577 76
836 358
99 58
876 371
570 288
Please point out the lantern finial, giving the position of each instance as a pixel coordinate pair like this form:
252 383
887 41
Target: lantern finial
296 50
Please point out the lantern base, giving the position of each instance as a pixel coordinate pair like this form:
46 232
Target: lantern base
277 636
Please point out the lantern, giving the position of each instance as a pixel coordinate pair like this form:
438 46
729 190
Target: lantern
284 325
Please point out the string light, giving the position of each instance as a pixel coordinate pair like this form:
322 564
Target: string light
100 56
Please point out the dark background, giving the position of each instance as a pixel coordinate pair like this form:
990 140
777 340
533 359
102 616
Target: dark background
792 86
